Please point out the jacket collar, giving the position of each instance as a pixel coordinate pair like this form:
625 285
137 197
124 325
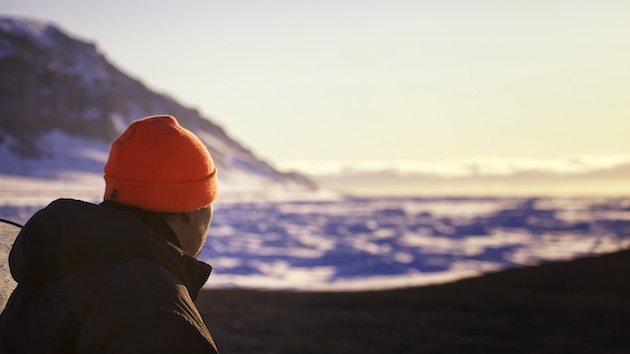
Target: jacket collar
150 219
70 235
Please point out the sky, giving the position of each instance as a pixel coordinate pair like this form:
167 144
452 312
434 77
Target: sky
331 85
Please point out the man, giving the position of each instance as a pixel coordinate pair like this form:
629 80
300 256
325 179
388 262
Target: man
119 277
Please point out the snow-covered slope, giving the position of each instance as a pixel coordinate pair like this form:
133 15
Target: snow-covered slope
62 103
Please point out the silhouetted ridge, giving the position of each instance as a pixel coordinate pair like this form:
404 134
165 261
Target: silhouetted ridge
53 82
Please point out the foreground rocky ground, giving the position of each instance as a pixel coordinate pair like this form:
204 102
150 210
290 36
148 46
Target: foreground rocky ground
582 306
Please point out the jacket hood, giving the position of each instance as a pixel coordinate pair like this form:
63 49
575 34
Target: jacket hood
70 235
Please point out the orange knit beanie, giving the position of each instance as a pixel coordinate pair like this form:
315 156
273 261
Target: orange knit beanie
157 165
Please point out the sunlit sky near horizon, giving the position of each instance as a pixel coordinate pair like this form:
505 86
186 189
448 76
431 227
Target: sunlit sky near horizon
378 81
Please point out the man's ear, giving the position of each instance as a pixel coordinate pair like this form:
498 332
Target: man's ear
186 217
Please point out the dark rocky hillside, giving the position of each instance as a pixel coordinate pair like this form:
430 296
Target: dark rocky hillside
51 81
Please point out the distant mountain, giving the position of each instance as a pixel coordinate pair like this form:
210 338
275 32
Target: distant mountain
62 103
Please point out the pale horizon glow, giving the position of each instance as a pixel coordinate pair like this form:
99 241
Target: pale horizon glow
465 166
423 83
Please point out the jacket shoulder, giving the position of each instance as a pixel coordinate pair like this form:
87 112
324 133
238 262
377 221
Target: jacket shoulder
155 330
130 301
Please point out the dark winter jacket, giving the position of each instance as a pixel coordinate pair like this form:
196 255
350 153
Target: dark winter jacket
102 279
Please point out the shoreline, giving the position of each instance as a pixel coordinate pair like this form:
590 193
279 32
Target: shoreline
574 306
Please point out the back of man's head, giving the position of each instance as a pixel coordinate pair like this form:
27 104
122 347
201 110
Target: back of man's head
158 165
